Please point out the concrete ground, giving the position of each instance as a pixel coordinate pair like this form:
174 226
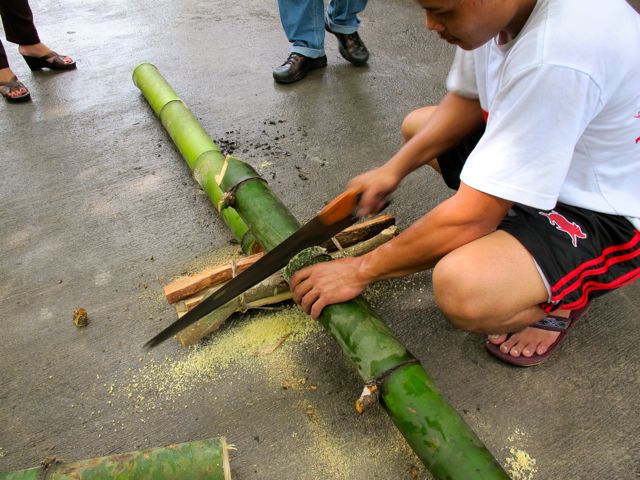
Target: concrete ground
98 210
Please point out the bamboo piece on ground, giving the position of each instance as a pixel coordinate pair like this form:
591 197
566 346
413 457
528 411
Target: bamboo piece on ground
184 287
438 435
268 292
198 460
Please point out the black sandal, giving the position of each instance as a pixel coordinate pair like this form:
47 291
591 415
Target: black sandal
7 87
56 63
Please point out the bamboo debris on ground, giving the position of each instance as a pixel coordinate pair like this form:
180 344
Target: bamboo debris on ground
270 291
198 460
185 287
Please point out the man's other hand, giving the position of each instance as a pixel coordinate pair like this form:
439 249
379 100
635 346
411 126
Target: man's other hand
327 283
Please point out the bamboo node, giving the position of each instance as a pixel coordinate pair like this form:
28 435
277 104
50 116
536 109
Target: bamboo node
368 397
228 200
371 392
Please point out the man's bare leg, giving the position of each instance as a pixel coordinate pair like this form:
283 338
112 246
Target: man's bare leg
528 340
416 121
492 285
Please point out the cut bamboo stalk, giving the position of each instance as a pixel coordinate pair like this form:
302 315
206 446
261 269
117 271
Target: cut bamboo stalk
184 287
198 460
192 142
270 291
438 435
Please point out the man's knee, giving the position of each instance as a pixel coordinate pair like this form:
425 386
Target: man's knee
458 295
415 121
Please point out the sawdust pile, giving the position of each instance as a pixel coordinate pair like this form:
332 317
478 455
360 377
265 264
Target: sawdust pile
520 465
243 343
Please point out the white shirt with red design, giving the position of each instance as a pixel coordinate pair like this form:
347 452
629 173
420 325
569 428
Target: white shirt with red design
563 103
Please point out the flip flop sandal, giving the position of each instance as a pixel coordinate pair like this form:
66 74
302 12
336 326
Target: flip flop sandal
6 88
550 322
51 60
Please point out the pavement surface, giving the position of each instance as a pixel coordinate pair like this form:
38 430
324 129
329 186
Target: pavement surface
98 210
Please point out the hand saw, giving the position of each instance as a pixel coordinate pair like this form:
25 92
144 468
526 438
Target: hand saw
332 219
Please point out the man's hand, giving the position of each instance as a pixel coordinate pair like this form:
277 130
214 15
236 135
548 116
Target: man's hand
327 283
376 186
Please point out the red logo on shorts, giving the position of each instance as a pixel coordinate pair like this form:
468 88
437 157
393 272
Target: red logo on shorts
561 223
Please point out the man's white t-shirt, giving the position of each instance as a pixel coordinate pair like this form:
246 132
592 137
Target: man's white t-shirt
563 104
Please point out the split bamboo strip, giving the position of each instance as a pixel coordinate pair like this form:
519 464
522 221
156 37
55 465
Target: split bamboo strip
274 289
185 287
437 434
198 460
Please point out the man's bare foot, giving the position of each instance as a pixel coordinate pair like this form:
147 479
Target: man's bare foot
40 50
528 342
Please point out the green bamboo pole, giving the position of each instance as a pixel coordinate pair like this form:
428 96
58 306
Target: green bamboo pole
192 142
199 460
438 435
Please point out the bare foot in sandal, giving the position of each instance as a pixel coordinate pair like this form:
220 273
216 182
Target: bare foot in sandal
12 89
534 344
527 342
40 56
530 341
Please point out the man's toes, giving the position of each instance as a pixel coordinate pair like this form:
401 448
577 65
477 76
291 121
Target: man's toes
497 339
530 349
508 344
547 338
519 346
544 344
516 350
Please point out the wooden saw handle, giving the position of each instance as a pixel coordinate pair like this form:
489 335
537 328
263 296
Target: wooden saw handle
340 207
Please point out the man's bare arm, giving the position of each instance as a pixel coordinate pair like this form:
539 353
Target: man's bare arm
467 216
464 217
452 120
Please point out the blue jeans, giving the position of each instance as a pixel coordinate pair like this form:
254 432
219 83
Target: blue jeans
303 22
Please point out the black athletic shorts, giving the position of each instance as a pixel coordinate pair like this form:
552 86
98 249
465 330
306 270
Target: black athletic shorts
580 254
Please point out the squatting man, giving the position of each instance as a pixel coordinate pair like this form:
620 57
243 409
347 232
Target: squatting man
539 134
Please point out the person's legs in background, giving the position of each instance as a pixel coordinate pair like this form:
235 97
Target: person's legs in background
17 21
303 23
342 20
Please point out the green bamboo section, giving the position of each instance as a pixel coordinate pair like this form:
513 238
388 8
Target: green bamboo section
199 460
192 142
438 435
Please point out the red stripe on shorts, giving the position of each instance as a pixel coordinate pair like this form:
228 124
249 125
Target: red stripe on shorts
591 286
596 261
593 272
